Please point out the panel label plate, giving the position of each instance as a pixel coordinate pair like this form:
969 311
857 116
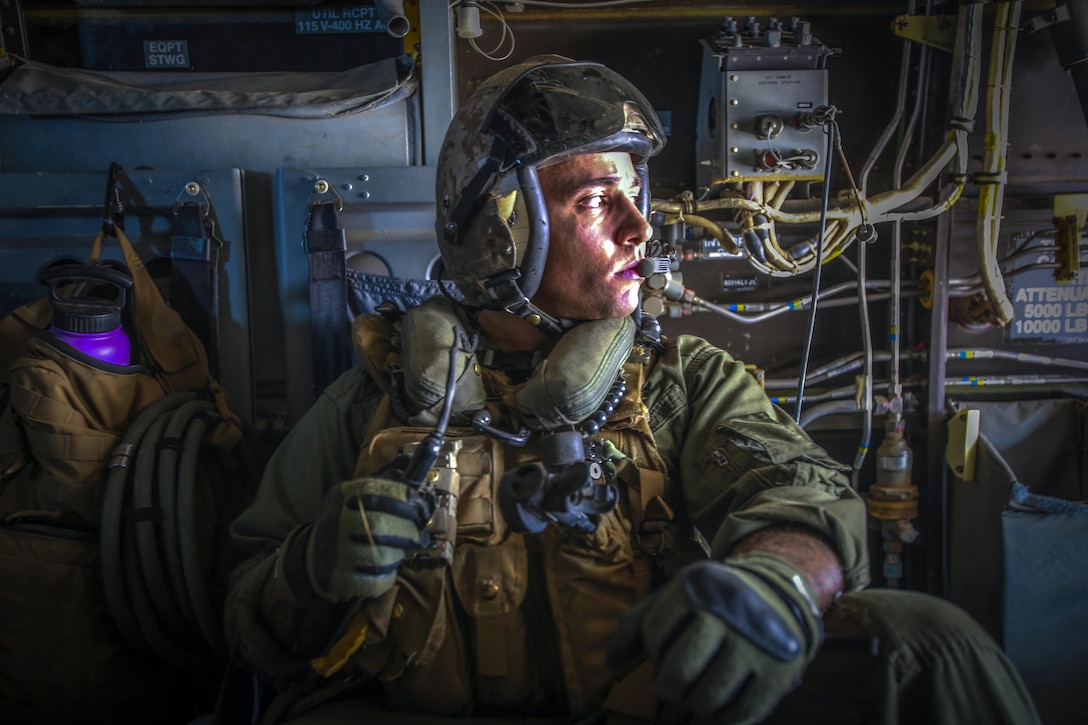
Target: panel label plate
166 54
1046 310
331 21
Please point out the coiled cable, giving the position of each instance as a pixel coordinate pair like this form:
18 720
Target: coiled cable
169 499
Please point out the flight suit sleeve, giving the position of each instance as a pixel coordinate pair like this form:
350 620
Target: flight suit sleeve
743 464
267 628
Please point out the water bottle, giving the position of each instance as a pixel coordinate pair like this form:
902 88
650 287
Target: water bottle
89 318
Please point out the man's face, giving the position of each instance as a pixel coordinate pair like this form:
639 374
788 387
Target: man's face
595 229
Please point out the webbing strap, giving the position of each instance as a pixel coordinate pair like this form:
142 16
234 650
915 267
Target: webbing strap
330 328
35 405
13 444
194 277
79 445
650 482
652 486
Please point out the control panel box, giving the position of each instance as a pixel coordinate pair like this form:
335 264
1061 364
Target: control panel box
759 85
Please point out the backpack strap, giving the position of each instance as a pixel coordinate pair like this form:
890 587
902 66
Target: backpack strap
180 361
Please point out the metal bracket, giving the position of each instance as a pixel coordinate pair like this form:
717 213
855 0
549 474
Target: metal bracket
936 31
1069 219
13 35
962 443
1059 14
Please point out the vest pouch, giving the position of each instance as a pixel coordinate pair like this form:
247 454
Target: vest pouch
62 659
491 583
478 463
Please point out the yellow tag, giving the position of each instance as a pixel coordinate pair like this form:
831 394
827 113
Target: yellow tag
344 648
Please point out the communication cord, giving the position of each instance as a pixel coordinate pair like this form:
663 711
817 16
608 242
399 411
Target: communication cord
168 500
831 127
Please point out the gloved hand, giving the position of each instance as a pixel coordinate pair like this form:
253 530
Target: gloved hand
359 538
728 640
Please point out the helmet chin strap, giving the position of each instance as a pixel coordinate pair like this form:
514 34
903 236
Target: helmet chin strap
508 297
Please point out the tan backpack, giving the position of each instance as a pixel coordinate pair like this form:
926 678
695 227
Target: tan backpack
64 656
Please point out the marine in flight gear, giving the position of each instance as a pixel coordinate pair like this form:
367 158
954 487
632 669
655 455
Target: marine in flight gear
518 623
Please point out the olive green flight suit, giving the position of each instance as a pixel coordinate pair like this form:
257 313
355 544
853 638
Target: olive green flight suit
736 464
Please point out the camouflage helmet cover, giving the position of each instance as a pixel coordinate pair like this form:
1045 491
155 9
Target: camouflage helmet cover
539 112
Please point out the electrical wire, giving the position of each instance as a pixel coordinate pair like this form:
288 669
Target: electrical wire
833 369
846 391
992 381
1020 357
489 7
897 115
768 310
866 382
838 407
575 5
831 129
507 31
848 363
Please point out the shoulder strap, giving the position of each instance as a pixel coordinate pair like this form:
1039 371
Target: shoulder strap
180 360
326 243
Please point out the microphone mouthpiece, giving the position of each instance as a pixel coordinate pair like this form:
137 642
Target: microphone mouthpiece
653 265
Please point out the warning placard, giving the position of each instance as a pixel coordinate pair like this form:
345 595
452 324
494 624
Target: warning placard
1046 310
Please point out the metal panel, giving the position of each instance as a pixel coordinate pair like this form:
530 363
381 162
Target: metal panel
436 35
48 216
751 117
260 143
754 84
388 215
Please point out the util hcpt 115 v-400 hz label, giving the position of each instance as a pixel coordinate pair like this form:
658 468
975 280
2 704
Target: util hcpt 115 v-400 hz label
355 19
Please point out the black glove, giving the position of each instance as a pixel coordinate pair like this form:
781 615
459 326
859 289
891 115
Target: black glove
358 540
728 640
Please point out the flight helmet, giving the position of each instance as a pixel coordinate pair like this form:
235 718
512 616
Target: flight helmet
492 222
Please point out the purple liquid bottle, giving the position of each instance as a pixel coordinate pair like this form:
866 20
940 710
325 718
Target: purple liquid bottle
96 333
91 323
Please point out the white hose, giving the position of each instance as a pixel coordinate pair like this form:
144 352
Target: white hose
992 177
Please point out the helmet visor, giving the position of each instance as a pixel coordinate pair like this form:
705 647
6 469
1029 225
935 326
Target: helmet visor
558 110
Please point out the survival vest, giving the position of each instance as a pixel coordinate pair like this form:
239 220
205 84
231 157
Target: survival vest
519 622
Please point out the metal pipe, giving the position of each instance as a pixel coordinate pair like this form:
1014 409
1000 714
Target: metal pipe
897 115
992 177
543 11
392 12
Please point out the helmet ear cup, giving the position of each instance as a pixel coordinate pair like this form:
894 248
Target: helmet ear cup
493 250
511 207
500 230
